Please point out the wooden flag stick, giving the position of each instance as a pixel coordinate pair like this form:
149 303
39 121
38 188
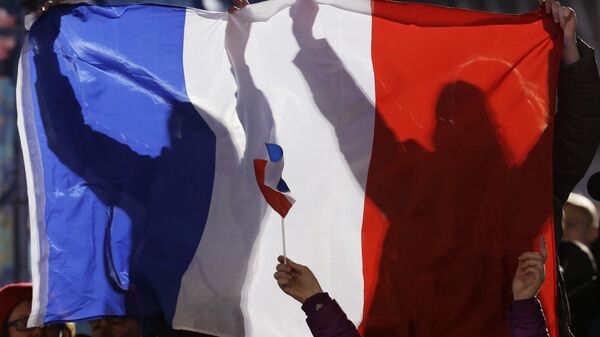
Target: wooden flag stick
283 239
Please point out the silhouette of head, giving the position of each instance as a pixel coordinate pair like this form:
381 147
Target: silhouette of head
580 222
463 122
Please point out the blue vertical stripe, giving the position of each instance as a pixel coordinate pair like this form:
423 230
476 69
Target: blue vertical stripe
128 162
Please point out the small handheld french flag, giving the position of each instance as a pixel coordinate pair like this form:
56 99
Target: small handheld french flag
271 184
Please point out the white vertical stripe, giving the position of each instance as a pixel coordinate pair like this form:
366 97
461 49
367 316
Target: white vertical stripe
208 299
324 226
35 188
243 238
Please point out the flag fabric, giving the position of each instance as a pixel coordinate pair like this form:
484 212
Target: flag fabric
418 138
269 180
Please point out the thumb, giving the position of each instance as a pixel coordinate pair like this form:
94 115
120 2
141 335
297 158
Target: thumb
543 248
291 263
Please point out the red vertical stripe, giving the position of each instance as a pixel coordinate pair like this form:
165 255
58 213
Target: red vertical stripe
460 181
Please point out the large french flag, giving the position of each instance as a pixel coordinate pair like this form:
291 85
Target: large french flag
418 140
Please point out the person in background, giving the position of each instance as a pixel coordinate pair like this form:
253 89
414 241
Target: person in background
147 326
325 317
15 307
164 330
580 224
576 136
116 327
596 251
595 328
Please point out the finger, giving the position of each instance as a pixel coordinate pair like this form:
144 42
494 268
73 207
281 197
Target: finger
548 5
543 248
287 261
530 271
561 16
529 263
555 9
47 4
283 268
531 255
292 264
535 272
281 276
537 260
569 13
282 283
240 3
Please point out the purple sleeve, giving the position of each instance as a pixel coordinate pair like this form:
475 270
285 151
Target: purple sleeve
326 318
526 319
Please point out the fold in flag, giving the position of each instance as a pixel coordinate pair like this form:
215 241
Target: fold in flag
422 132
269 180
